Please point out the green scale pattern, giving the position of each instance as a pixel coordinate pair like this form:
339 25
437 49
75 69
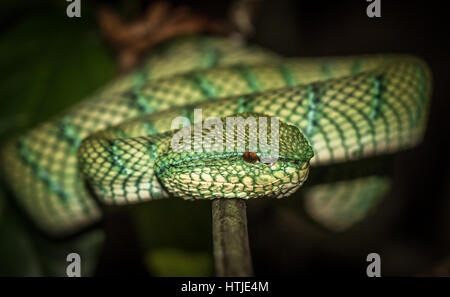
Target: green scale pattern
347 108
120 168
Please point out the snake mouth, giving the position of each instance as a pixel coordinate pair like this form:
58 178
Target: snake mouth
184 186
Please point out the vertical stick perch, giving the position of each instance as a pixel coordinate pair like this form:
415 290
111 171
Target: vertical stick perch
230 238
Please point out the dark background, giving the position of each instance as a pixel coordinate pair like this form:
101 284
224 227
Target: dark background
49 61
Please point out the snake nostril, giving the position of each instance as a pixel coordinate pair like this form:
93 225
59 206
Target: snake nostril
250 157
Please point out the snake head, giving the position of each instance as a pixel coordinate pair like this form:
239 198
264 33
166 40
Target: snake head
244 156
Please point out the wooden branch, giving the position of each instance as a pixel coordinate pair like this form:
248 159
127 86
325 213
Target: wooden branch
230 238
160 22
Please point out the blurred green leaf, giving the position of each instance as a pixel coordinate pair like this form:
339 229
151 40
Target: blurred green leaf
178 228
26 253
53 255
49 62
18 256
174 222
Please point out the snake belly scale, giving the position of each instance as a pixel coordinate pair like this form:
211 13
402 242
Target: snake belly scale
335 108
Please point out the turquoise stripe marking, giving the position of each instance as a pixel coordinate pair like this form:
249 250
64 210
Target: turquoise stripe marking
375 105
111 148
380 107
121 168
341 133
389 107
138 98
312 110
149 129
143 104
150 149
288 76
247 73
242 104
211 56
327 139
69 133
203 84
42 174
139 101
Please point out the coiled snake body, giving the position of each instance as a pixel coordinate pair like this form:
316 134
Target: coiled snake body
345 108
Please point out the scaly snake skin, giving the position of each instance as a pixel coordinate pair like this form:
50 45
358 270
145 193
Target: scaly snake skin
348 108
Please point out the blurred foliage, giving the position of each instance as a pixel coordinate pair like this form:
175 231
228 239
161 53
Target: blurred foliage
175 262
17 254
49 62
174 231
26 253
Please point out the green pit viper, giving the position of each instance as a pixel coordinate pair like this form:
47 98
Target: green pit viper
331 110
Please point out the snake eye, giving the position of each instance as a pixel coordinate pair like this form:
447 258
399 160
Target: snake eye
250 157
